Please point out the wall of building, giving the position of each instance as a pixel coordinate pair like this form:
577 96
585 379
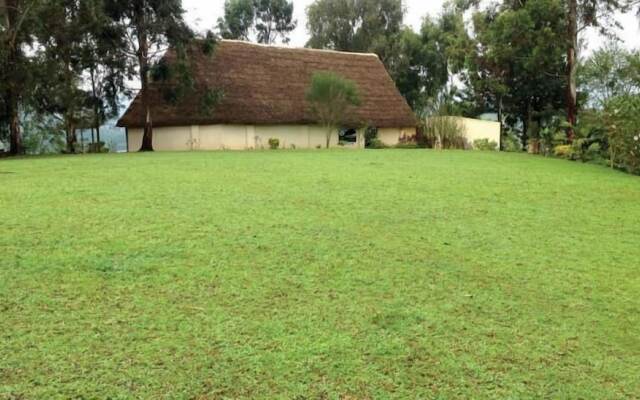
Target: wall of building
392 136
235 137
479 129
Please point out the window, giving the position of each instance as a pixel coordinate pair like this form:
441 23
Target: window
348 136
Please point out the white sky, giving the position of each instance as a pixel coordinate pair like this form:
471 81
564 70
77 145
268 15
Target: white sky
203 14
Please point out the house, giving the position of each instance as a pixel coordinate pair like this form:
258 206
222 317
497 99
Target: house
264 90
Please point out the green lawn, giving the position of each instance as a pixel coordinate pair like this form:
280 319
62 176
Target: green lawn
318 275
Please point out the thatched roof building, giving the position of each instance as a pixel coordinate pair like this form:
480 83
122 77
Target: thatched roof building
265 86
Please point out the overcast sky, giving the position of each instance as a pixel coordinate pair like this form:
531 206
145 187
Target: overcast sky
203 14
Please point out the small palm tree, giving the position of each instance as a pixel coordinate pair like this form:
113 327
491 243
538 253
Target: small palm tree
332 98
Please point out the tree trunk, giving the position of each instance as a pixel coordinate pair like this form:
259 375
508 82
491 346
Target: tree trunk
15 136
526 125
71 139
12 92
501 145
147 136
143 60
96 108
329 130
572 96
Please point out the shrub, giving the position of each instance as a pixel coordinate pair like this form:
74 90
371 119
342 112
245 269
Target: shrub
510 142
563 151
551 136
370 133
444 133
377 144
98 147
622 121
407 145
274 143
485 145
594 152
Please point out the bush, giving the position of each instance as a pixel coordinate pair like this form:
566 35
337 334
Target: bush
510 142
98 147
622 121
407 145
274 143
594 152
444 133
563 151
485 145
370 133
377 144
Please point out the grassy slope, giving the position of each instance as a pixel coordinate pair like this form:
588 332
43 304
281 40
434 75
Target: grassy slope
372 274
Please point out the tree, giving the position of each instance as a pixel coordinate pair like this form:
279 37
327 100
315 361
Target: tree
516 67
424 63
609 72
356 25
60 54
274 18
239 16
269 19
150 27
104 71
332 99
582 14
17 23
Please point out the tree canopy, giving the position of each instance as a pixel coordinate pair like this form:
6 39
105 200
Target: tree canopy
269 20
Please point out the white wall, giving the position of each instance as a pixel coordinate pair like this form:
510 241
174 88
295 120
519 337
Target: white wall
392 136
479 129
236 137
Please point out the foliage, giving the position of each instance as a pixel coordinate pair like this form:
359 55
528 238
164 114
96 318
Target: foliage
419 63
332 99
622 119
241 291
60 62
425 60
42 134
238 19
274 18
444 132
269 19
98 147
274 143
370 133
407 145
510 141
18 23
609 72
485 145
354 25
516 66
563 151
376 143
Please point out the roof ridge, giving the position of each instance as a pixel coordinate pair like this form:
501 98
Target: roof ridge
298 48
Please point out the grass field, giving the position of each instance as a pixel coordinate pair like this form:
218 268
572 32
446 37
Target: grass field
318 275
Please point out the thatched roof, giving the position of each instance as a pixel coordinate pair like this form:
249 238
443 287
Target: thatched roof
267 85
